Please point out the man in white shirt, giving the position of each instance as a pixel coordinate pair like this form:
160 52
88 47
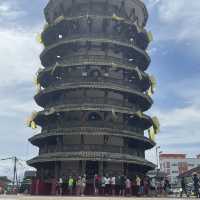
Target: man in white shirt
107 184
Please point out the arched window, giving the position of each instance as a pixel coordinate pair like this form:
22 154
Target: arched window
94 117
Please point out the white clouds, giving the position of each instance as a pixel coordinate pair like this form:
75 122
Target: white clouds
180 125
18 56
9 11
176 19
6 168
12 107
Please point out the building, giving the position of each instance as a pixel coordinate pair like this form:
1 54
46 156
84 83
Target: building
176 164
94 90
4 181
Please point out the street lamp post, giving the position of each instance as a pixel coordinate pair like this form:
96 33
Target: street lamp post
157 156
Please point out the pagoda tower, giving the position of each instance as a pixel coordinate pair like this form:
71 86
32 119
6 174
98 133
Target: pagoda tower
94 90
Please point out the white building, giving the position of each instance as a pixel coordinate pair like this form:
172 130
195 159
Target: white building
175 164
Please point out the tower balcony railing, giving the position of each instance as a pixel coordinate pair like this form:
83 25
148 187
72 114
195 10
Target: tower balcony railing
94 80
111 36
74 125
91 83
92 148
102 59
98 60
98 38
92 100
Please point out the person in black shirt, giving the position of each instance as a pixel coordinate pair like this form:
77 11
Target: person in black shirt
196 185
183 187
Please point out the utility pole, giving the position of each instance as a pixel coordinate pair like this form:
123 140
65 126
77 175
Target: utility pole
15 178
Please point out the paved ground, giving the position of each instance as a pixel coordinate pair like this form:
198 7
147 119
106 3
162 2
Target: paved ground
2 197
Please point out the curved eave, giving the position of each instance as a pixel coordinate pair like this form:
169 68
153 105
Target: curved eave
137 2
148 144
49 51
46 72
145 101
94 156
55 27
145 120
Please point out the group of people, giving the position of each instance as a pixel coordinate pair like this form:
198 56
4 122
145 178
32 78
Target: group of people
195 189
111 186
72 184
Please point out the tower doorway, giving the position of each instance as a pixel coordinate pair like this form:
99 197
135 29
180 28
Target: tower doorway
92 168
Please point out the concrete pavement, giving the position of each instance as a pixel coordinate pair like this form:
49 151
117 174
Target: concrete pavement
20 197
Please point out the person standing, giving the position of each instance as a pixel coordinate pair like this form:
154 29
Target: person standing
196 185
70 185
183 187
128 187
123 185
97 182
107 185
60 185
138 183
78 186
113 184
117 185
103 185
152 186
146 183
83 185
167 186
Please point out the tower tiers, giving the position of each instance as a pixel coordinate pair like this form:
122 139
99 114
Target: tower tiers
93 90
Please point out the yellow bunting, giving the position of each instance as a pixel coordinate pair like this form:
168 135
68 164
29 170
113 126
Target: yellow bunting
156 124
149 92
114 114
28 122
34 115
117 18
39 38
150 36
50 111
35 81
153 83
38 88
59 19
39 71
33 125
46 26
152 135
139 114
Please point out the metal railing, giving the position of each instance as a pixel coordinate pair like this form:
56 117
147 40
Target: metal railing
88 100
91 148
92 124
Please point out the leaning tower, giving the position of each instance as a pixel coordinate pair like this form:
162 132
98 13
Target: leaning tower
94 90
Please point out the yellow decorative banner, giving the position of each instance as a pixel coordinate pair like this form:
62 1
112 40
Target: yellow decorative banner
59 19
30 121
114 114
150 36
117 18
139 114
33 125
152 135
39 38
156 124
153 83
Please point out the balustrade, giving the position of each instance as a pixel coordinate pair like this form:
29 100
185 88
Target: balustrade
92 148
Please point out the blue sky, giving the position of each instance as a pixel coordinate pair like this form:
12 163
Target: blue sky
175 62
